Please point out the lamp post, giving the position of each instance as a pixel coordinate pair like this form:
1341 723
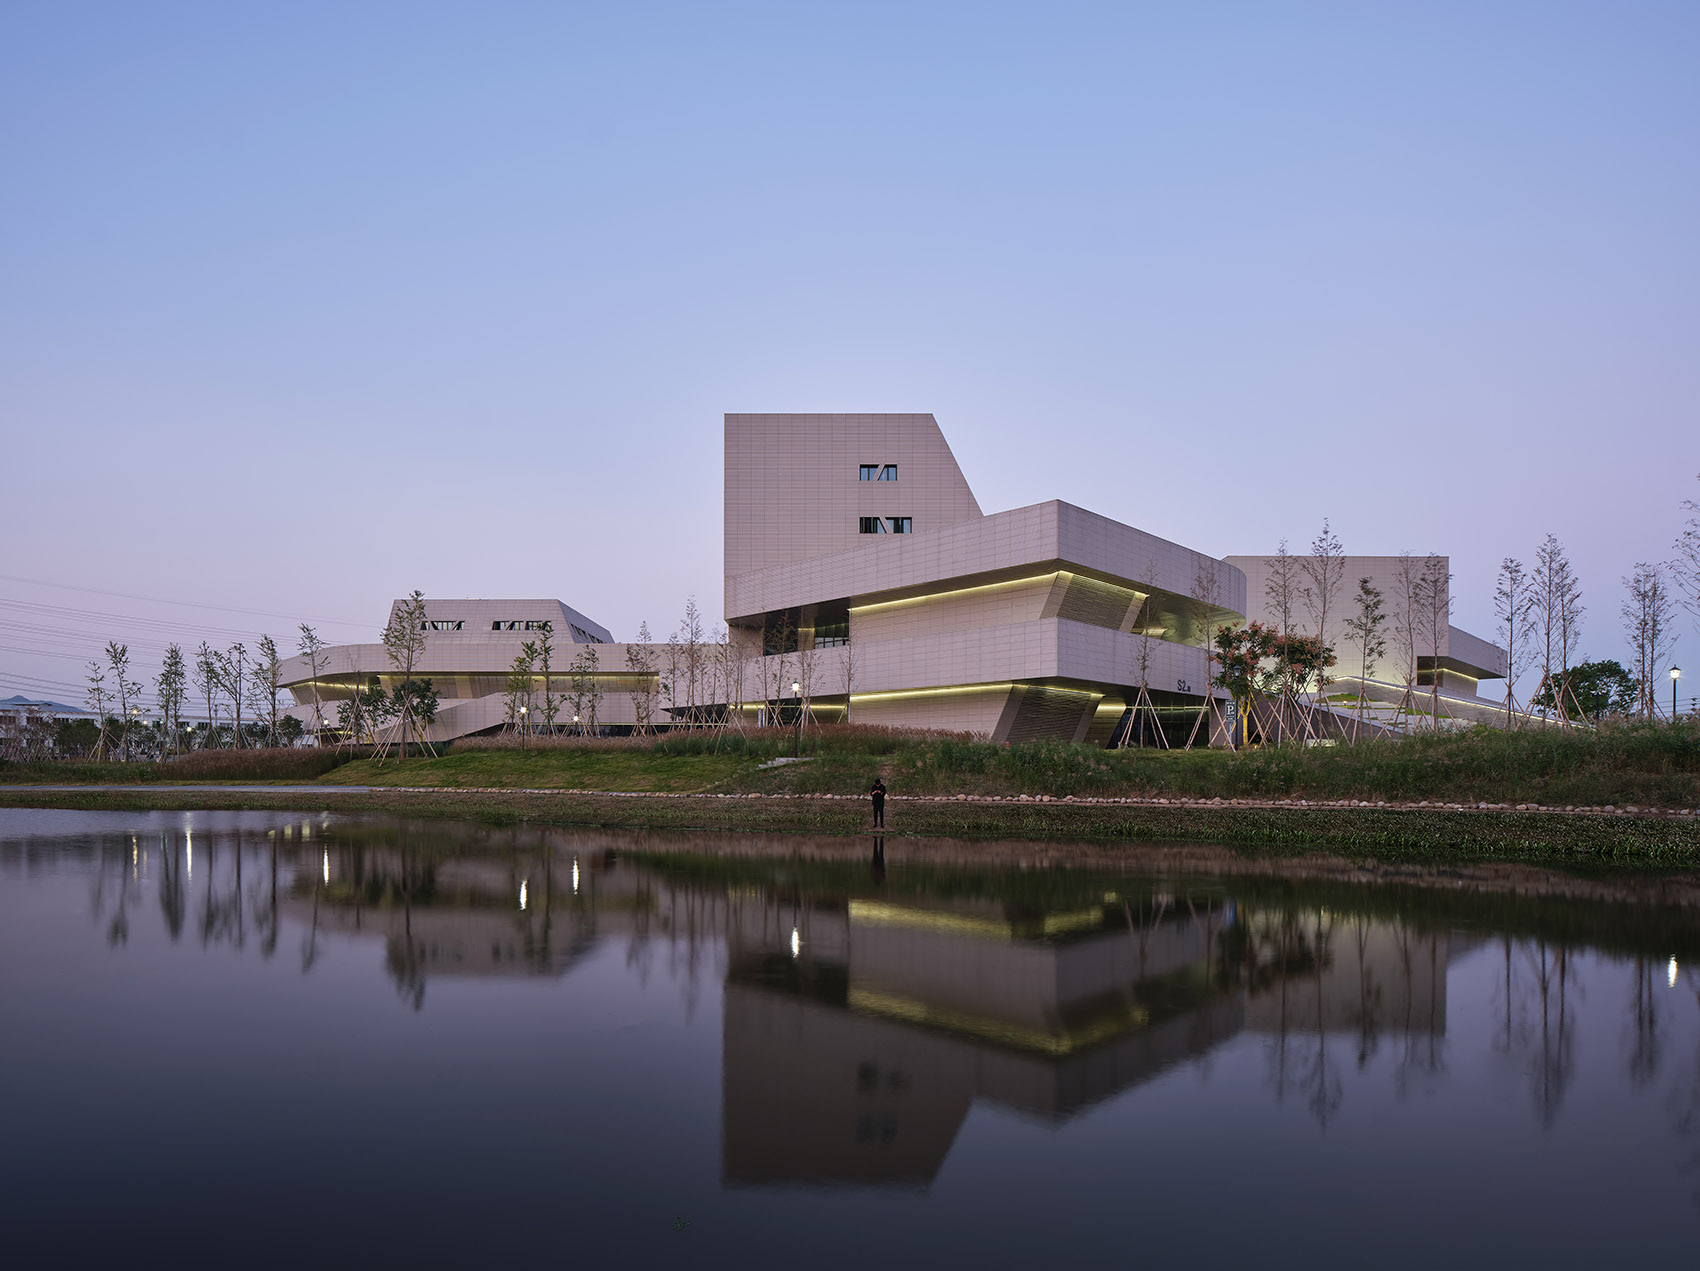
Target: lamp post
1675 675
575 725
522 713
797 692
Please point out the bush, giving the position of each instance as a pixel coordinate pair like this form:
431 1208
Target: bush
281 764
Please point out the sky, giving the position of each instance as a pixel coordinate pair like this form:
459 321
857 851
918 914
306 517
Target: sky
303 306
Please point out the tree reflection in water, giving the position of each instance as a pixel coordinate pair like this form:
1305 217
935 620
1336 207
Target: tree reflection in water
1334 984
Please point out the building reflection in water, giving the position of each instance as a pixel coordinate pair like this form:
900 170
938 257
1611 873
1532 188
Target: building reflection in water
864 1015
856 1058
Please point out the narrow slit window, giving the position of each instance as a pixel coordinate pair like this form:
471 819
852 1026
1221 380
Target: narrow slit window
889 472
873 525
870 472
902 525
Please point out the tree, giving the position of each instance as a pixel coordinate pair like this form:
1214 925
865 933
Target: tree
585 688
640 664
1570 611
849 670
126 689
1325 571
404 644
232 674
519 687
1435 594
1556 605
1240 652
169 686
417 699
99 700
1594 690
365 712
546 664
1299 658
806 663
1511 602
690 640
779 637
1647 622
266 682
1407 593
206 682
77 736
312 649
1686 564
1363 628
1207 599
666 685
1281 591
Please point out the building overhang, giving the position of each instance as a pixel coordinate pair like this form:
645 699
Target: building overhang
1006 547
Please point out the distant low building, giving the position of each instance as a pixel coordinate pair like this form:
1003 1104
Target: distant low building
16 712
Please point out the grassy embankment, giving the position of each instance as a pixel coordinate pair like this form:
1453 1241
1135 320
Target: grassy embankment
1640 765
1632 765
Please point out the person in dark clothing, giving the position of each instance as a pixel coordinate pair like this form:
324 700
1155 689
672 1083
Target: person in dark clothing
879 802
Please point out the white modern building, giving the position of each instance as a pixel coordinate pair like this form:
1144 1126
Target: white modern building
863 579
857 555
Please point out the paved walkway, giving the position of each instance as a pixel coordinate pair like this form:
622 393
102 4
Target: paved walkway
1429 805
156 787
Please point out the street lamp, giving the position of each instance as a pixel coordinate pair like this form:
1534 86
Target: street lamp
522 714
575 724
797 692
1675 674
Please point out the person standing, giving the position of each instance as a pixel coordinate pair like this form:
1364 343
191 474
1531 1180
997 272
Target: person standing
878 793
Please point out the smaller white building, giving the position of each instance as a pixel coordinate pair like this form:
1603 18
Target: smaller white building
470 647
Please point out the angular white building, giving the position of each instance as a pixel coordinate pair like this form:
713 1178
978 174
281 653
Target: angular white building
860 568
856 553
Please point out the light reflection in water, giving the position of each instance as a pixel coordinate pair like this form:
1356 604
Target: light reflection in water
938 1006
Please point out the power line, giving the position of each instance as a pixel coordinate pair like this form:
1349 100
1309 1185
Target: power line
185 604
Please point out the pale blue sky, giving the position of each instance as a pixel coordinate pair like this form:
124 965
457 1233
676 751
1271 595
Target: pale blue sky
302 306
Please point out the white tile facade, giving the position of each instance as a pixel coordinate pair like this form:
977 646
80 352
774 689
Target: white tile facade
1026 619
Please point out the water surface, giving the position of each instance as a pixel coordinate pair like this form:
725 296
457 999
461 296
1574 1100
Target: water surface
273 1040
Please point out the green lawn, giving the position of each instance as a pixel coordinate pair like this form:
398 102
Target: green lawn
624 770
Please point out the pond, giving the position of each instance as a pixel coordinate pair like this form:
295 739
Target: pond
272 1040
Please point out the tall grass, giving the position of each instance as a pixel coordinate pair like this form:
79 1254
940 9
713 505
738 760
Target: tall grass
1642 764
281 764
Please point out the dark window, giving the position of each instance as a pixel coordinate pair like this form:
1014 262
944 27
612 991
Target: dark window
872 525
442 624
902 525
870 472
889 472
829 635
